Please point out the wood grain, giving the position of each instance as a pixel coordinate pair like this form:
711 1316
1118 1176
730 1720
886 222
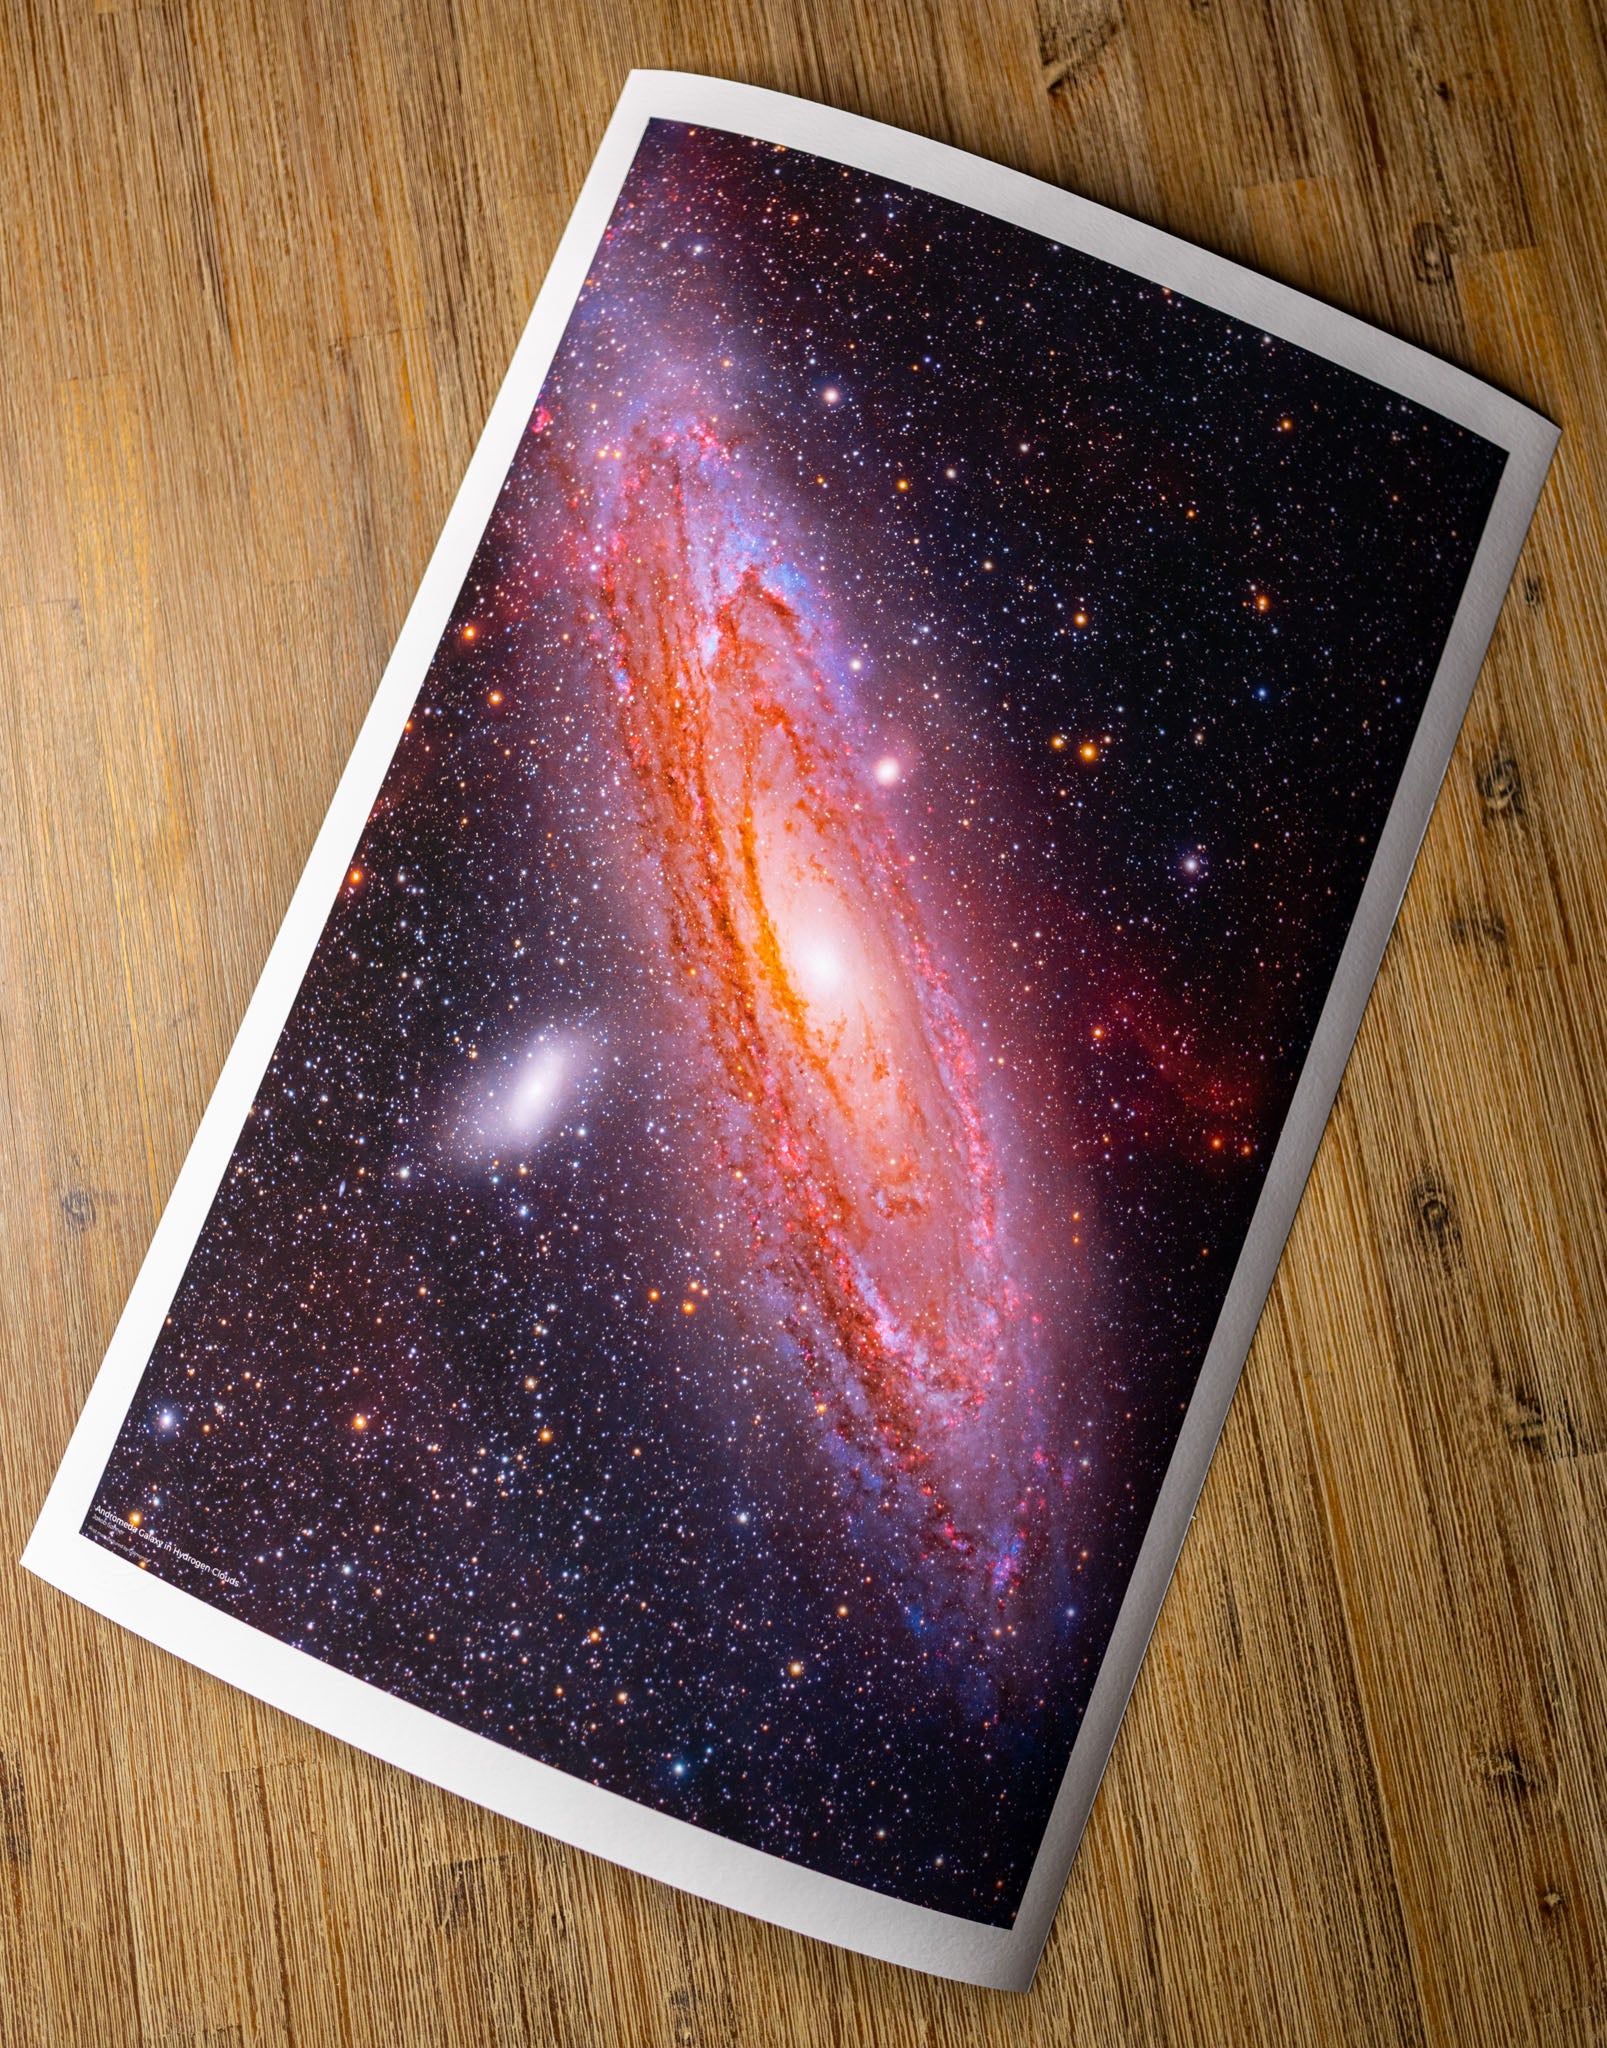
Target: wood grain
261 269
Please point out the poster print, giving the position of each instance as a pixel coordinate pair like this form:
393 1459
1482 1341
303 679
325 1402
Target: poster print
710 1279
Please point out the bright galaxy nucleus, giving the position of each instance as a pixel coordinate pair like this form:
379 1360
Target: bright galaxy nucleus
845 1082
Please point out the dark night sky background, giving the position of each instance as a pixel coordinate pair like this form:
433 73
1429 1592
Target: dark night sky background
1144 605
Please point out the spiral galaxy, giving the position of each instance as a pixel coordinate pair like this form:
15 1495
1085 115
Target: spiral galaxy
847 1082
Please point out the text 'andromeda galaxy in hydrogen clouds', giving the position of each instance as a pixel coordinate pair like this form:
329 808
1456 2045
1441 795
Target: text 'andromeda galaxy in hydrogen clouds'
710 1282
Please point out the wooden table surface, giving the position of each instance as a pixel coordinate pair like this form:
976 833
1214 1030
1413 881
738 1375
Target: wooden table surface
260 272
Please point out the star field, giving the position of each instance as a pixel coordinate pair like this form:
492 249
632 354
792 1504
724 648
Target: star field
709 1284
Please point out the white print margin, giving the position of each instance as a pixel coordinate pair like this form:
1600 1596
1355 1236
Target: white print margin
471 1765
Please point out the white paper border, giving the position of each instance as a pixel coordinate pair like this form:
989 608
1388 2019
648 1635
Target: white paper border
469 1764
